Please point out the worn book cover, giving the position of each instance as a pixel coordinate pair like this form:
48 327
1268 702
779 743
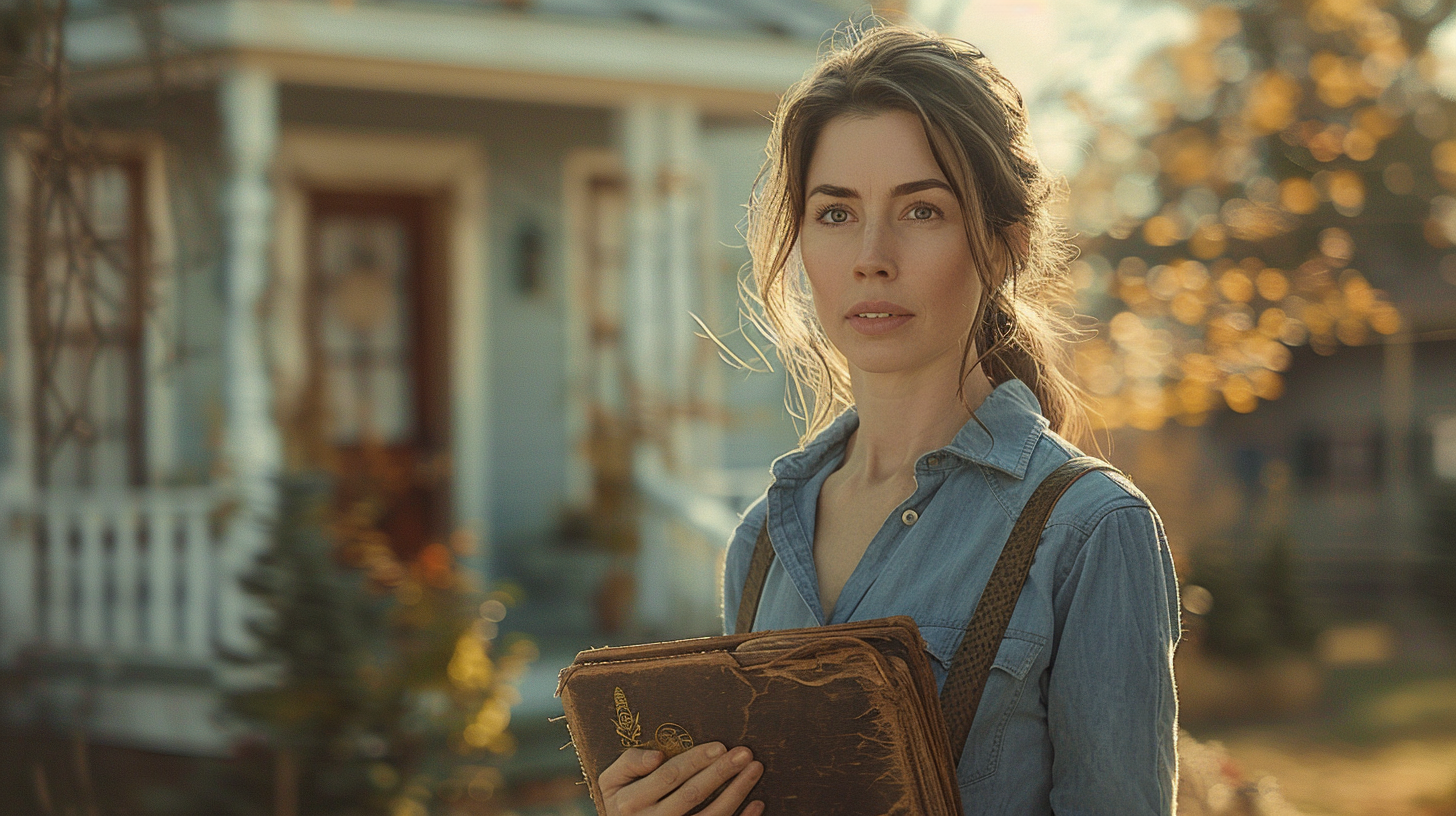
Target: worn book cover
844 718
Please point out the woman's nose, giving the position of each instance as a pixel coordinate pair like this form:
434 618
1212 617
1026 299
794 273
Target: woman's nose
876 254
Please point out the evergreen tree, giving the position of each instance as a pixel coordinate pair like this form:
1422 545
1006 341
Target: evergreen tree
380 692
315 636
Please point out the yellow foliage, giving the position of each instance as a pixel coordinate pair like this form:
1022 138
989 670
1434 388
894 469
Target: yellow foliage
470 666
1360 145
1187 156
1238 392
1347 191
1236 286
1217 22
1385 318
1194 396
1272 284
1188 308
1375 121
1160 230
1266 384
1272 101
1271 322
1338 81
1443 160
1208 241
1298 196
1327 144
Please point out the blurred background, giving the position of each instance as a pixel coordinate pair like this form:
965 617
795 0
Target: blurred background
355 376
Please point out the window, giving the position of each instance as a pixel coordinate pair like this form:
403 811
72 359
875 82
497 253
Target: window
85 278
1344 457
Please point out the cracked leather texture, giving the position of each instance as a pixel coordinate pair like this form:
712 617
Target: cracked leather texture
844 718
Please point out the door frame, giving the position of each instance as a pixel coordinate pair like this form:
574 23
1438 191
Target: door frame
579 167
312 158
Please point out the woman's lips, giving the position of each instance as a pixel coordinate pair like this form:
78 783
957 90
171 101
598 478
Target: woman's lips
877 317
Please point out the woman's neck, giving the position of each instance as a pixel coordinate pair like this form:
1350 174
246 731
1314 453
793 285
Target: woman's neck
904 414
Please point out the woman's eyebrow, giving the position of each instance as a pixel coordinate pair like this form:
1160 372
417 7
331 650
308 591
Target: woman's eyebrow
833 191
909 187
916 186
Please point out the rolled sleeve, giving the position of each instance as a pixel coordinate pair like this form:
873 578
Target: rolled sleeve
1112 709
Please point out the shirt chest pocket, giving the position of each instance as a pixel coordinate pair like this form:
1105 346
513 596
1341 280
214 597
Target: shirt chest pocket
1005 687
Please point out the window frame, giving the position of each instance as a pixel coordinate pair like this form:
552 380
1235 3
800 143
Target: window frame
151 374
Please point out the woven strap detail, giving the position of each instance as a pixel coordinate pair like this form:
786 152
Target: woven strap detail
966 679
763 555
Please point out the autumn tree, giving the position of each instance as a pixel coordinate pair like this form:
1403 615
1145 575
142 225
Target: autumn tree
1292 157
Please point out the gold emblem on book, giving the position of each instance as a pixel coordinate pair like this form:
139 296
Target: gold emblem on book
629 725
669 738
672 739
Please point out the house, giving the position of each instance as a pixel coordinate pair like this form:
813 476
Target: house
1352 465
473 234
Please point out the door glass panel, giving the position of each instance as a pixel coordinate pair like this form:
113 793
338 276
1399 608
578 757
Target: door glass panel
363 267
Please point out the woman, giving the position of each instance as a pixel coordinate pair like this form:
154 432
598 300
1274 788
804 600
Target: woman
909 272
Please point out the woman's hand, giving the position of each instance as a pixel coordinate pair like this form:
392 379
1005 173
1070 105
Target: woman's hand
640 782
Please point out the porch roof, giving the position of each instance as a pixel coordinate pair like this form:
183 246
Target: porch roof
731 57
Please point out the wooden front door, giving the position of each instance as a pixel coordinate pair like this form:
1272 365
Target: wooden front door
377 410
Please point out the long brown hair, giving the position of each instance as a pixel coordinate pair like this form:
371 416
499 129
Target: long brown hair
977 128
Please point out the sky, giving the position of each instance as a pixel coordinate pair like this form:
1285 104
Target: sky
1049 48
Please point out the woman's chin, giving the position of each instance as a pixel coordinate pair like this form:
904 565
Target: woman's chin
892 364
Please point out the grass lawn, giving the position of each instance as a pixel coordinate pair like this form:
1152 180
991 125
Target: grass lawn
1384 745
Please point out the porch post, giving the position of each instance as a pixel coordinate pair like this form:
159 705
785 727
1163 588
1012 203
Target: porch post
683 192
1396 403
643 305
248 104
19 621
643 301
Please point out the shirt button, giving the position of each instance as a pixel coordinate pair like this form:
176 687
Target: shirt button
933 461
909 517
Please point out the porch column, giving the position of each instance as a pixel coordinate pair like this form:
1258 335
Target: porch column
248 104
19 599
683 188
643 301
1396 403
643 309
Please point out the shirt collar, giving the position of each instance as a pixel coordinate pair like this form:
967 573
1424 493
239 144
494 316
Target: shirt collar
1011 414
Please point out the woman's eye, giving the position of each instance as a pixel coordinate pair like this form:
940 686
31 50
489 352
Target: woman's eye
922 213
834 215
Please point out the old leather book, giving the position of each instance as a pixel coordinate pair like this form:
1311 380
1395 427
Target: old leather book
844 718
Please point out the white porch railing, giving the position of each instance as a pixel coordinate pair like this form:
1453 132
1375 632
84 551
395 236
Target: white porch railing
120 576
684 535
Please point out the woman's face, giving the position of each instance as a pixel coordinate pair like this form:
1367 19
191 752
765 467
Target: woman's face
885 249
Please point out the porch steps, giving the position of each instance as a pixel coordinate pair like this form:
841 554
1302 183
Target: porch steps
560 582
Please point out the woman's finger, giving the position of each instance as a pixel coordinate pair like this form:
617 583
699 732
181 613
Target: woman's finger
737 790
633 764
647 791
702 785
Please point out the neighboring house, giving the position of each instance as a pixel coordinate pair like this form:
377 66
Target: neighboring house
474 230
1349 462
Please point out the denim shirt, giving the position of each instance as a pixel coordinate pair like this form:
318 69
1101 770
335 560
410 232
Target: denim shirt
1079 714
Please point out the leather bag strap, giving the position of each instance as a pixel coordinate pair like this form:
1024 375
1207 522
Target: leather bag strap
763 555
969 670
